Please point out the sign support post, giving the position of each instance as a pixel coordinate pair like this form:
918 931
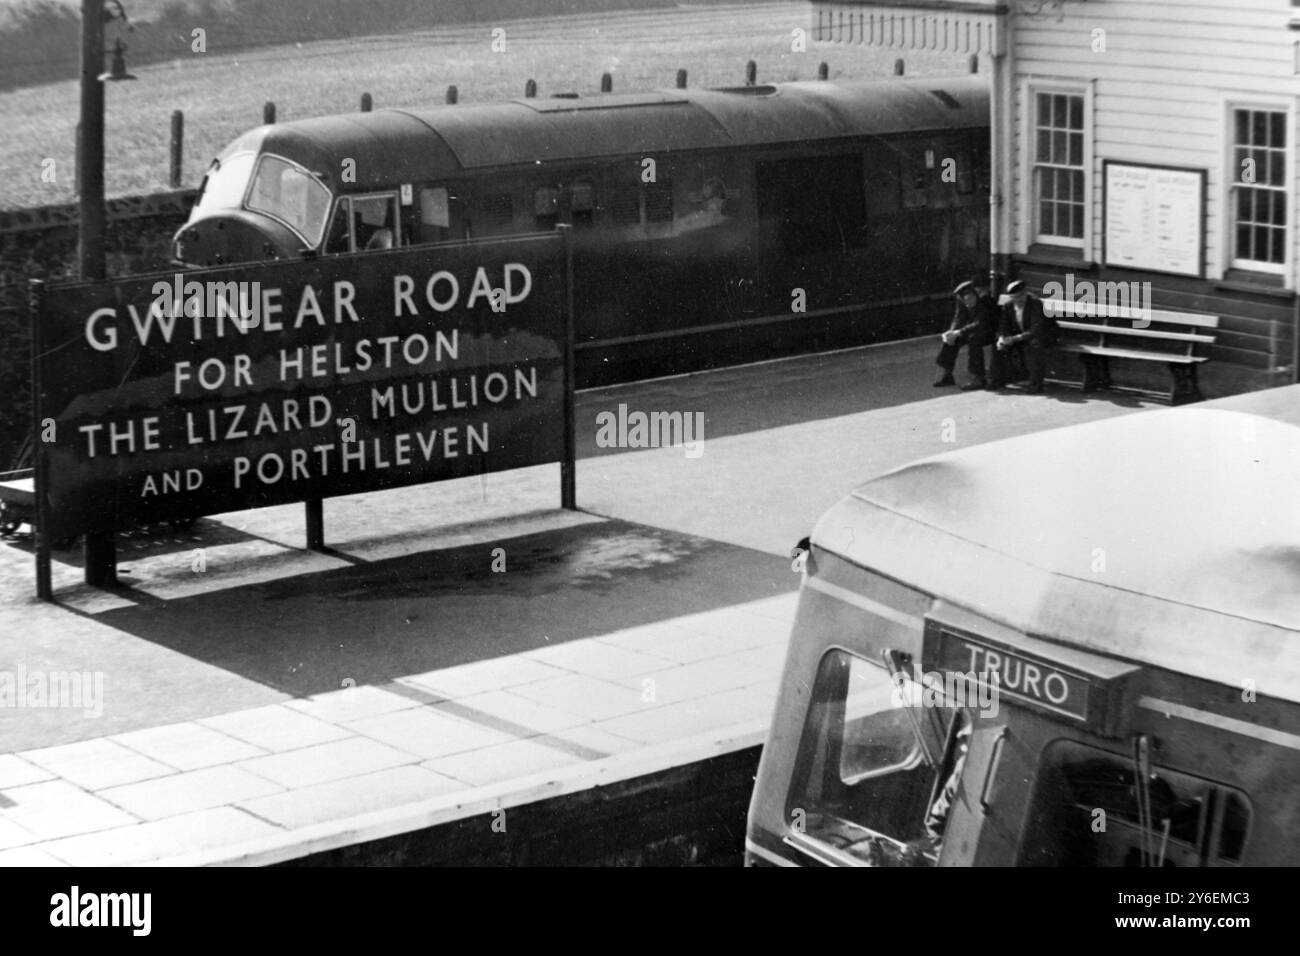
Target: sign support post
40 524
568 470
315 524
99 551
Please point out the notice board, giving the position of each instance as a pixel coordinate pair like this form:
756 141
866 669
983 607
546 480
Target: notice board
176 395
1155 218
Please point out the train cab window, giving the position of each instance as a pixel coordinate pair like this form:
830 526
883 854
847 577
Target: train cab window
363 223
876 771
287 192
582 204
1091 808
546 207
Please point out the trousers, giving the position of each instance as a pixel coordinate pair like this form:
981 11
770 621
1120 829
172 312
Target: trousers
975 342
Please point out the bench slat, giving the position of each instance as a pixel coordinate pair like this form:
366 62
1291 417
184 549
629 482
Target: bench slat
1144 333
1062 309
1133 354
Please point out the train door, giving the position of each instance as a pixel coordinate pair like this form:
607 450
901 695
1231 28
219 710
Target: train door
812 231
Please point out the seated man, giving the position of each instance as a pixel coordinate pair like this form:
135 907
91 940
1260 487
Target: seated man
974 324
1025 333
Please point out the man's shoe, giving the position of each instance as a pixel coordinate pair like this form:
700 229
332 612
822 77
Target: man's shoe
945 379
976 385
1034 390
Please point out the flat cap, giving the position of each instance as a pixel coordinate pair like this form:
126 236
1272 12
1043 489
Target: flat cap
964 287
1017 286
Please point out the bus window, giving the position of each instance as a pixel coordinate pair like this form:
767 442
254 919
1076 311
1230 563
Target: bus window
1089 812
875 772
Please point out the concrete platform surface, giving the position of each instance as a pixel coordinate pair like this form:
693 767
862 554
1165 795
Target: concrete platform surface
461 647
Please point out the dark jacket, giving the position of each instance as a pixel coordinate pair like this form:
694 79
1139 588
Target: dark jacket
1040 329
983 317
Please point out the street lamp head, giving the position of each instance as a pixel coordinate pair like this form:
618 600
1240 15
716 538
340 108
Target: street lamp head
118 72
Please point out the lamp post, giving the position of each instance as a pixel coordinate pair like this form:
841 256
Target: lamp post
99 549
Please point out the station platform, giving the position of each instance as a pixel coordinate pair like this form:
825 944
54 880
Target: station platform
460 648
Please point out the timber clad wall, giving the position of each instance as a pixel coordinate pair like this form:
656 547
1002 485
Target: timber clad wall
1161 92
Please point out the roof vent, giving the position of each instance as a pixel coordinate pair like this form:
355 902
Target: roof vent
944 97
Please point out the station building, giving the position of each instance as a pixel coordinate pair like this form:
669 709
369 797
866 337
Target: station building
1135 141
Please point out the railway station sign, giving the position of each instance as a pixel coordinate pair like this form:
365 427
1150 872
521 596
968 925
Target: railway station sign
171 396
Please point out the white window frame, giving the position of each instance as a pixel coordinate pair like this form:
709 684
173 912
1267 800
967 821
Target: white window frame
1228 209
1029 89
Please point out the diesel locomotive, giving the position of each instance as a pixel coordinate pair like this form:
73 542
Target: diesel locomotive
709 226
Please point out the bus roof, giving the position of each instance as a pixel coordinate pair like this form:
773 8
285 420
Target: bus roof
1169 537
396 145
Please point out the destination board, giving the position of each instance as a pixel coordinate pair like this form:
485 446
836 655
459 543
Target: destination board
1155 218
172 396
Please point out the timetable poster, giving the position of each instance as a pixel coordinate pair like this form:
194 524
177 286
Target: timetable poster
1154 218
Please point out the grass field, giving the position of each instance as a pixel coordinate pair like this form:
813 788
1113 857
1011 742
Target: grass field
222 95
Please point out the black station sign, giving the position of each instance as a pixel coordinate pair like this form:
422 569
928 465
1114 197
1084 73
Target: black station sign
1084 689
178 395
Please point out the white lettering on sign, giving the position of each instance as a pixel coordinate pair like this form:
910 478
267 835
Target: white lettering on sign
1016 675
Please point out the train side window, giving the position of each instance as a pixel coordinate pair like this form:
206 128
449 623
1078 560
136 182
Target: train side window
435 212
546 207
916 186
582 204
966 172
659 201
497 215
625 206
867 779
1088 812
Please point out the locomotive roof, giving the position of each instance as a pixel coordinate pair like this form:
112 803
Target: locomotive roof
392 145
1170 537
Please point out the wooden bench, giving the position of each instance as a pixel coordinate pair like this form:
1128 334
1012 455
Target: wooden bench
1098 333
